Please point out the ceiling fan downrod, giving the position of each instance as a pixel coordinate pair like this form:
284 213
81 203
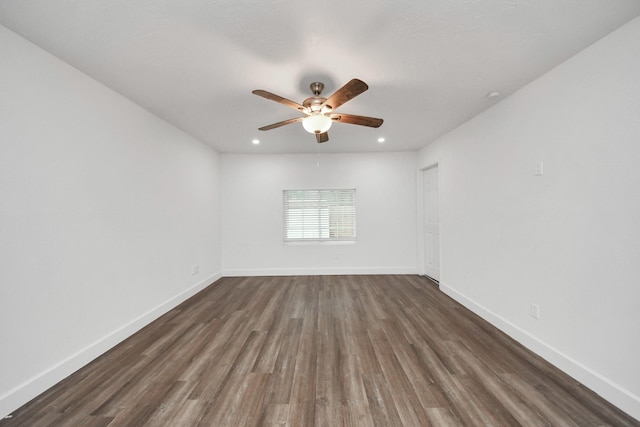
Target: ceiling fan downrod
316 88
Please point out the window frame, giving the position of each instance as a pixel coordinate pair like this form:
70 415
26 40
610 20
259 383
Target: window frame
329 216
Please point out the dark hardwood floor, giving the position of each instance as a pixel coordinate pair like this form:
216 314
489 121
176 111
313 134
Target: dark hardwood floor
319 351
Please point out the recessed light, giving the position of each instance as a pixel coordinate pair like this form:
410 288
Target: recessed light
381 140
255 141
493 94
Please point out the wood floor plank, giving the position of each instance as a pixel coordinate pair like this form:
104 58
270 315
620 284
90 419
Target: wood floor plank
302 414
274 321
404 396
442 417
168 406
303 389
186 415
380 401
376 350
281 380
277 415
549 411
251 412
219 361
416 371
493 385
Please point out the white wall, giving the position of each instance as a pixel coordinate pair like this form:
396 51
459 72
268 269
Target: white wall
104 209
568 240
385 186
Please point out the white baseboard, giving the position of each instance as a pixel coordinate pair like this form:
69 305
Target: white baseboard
18 396
610 391
318 271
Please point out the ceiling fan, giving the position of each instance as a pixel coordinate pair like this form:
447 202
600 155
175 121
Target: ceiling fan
320 112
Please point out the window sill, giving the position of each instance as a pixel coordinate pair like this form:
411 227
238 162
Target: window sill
318 242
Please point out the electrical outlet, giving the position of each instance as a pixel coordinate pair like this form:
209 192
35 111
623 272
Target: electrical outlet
195 270
535 311
538 169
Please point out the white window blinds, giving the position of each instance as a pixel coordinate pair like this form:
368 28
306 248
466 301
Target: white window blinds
319 215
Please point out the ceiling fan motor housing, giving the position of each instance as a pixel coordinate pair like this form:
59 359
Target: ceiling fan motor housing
314 104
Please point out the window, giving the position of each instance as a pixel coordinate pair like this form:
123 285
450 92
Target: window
319 215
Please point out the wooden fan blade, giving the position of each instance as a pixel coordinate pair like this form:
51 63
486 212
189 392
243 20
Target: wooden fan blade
347 92
282 123
277 98
322 137
356 120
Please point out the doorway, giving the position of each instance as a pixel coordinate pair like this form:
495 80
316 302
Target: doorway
431 222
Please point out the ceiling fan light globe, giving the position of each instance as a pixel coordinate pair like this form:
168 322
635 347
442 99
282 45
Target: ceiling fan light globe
316 123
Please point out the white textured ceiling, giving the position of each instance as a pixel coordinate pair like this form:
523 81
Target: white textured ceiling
429 63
